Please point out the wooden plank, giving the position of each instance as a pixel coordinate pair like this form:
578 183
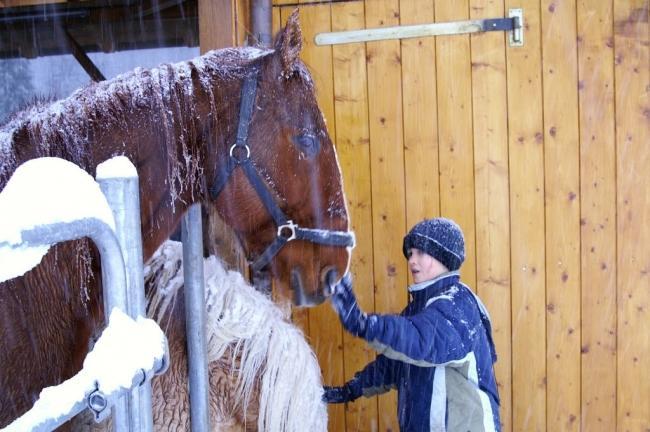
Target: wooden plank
454 79
242 21
387 168
632 79
276 20
491 173
598 214
352 142
526 139
216 26
420 120
354 155
562 189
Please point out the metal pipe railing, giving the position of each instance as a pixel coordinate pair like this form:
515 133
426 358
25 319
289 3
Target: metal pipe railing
104 238
192 238
113 271
123 196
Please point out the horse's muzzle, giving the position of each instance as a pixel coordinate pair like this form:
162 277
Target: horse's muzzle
302 297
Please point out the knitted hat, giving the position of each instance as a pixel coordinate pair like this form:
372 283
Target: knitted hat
441 238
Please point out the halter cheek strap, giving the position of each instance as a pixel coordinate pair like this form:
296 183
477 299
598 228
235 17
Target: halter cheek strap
240 157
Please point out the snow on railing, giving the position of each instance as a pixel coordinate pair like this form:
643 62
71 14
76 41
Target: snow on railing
44 192
50 200
128 353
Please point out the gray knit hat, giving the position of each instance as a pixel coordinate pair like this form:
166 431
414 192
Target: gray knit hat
441 238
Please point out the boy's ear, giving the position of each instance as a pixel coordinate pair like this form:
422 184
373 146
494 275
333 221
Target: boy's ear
289 43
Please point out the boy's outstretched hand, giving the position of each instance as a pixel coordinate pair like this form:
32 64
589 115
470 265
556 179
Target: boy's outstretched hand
336 394
346 393
345 304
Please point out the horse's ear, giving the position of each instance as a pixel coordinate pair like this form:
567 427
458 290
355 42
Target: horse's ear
289 43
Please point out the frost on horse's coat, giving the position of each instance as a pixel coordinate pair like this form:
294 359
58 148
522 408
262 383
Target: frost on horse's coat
176 124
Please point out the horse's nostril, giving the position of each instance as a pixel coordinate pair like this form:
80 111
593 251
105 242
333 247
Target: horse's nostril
329 276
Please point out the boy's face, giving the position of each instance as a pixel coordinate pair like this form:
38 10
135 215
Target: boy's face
423 266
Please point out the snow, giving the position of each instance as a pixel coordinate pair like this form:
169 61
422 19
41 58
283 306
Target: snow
125 347
17 261
44 191
117 167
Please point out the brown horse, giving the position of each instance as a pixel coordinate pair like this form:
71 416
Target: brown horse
183 128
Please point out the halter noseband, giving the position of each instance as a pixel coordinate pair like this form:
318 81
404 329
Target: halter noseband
240 156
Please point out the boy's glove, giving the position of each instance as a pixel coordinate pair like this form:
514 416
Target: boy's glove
346 393
336 394
345 304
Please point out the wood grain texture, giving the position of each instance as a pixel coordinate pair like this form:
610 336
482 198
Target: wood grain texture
526 150
562 187
217 24
598 214
420 116
632 96
456 148
387 175
491 175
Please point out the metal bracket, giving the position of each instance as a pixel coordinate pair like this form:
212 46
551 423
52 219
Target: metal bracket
513 25
516 35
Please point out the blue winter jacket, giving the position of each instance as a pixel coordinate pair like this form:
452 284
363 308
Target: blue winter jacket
438 354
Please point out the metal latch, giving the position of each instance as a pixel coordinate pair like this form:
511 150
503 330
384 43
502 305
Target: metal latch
516 36
513 25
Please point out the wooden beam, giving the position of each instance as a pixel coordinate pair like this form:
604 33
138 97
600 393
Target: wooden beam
415 31
80 55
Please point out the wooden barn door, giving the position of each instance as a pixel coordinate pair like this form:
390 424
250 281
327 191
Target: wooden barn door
541 153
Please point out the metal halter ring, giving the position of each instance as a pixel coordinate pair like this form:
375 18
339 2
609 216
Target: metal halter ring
291 227
232 152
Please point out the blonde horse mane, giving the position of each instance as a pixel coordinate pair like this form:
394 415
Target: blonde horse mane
265 350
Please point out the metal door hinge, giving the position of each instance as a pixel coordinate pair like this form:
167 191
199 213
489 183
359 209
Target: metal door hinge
516 36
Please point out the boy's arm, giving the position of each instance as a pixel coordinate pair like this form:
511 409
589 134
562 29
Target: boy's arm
427 339
377 377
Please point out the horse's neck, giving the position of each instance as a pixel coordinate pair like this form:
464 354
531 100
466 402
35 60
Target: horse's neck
165 121
173 167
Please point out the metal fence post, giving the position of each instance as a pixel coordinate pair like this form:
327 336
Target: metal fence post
192 237
123 196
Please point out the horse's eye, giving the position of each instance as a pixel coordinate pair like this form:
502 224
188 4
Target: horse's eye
307 144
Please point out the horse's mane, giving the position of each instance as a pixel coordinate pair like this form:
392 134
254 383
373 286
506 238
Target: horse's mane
264 348
67 127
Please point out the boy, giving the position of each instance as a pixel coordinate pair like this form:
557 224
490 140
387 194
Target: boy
438 352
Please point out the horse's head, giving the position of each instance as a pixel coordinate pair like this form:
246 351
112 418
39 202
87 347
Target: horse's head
282 179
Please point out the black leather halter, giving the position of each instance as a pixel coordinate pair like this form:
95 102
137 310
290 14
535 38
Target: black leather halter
240 157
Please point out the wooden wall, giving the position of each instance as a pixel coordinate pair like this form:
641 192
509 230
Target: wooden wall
541 153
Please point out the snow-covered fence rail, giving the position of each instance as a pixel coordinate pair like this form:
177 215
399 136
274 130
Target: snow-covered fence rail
50 200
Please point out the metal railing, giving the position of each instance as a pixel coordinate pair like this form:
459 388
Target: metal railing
123 282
